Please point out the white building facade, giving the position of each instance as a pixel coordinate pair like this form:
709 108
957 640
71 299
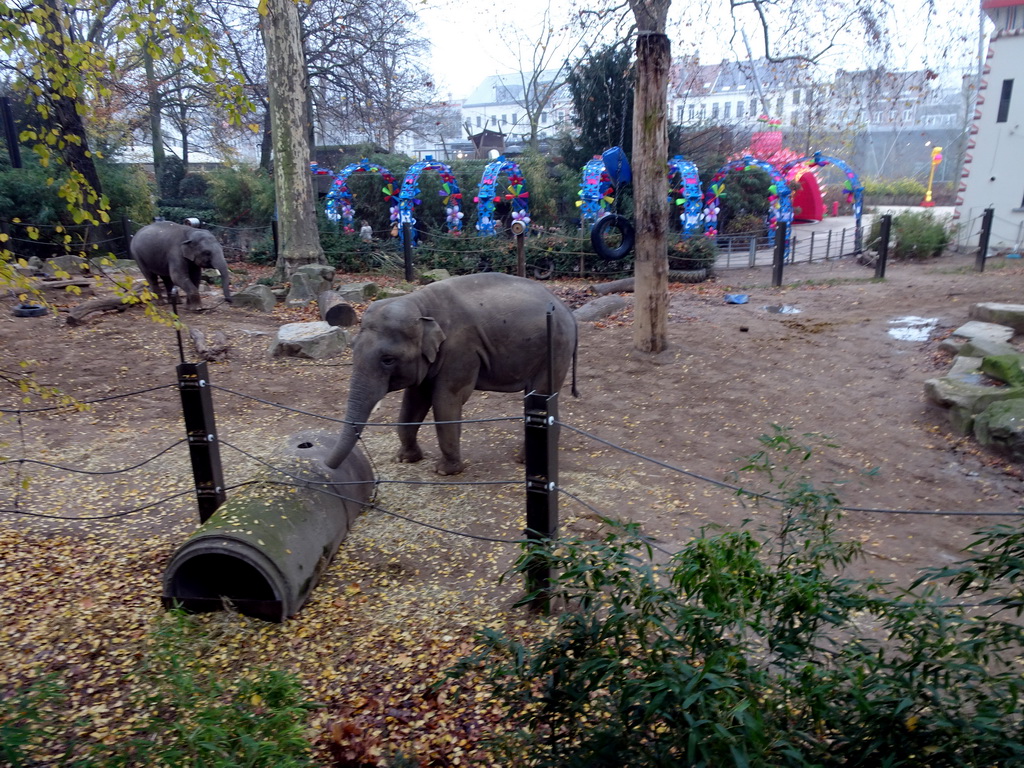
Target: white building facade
499 104
993 169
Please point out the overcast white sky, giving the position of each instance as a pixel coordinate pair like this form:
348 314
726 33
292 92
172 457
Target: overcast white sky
468 42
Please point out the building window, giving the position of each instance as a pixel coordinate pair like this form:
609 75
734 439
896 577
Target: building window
561 116
679 114
693 111
478 121
796 98
504 119
727 110
515 118
703 111
494 119
714 111
780 105
739 108
1004 101
753 107
543 118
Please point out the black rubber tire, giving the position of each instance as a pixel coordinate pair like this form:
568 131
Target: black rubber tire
543 268
621 223
687 275
29 310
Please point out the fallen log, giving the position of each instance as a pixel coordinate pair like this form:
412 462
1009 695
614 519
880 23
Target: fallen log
76 315
212 351
615 286
334 310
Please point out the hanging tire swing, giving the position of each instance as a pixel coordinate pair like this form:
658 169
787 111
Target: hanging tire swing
626 230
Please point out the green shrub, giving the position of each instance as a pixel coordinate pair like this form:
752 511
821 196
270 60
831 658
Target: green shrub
913 235
893 187
194 716
753 648
693 253
242 195
746 223
177 210
193 185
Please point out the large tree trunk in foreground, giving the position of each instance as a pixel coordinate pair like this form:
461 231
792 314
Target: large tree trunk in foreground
650 171
298 239
650 166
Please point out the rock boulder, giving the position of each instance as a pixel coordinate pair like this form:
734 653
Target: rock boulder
311 341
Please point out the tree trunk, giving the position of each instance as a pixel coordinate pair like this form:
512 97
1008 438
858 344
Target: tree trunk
650 171
66 116
293 183
265 142
156 131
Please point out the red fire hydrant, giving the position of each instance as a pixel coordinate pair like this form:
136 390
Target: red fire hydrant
835 207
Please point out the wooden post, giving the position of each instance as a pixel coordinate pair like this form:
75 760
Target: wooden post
407 249
520 255
883 245
986 233
780 253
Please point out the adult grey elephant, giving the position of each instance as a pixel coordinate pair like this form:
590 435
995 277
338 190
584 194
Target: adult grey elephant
485 331
178 254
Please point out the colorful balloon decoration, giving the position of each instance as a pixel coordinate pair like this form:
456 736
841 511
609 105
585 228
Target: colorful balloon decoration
780 208
339 198
408 197
596 193
685 191
852 186
515 193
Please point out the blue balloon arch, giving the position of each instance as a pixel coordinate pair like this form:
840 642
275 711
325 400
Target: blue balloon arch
339 199
687 193
515 193
408 197
853 187
597 192
780 205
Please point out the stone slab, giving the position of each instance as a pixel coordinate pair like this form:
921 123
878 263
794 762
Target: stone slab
1011 315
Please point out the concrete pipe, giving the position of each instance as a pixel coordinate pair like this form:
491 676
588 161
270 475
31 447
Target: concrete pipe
265 549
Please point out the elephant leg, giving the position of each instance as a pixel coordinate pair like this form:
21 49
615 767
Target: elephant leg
415 405
154 284
448 414
168 286
186 276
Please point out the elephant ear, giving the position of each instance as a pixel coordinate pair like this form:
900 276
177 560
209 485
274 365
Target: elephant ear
432 338
188 253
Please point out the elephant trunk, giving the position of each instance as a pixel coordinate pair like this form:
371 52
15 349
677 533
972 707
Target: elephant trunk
362 396
225 281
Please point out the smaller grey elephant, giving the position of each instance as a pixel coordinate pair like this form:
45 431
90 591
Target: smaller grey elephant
178 254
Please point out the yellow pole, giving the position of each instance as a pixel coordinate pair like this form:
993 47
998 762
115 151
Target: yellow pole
936 159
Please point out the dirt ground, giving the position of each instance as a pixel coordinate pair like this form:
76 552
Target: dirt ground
730 373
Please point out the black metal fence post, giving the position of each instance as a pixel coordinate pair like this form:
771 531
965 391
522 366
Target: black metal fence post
986 233
541 459
883 245
201 429
780 253
407 249
541 463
